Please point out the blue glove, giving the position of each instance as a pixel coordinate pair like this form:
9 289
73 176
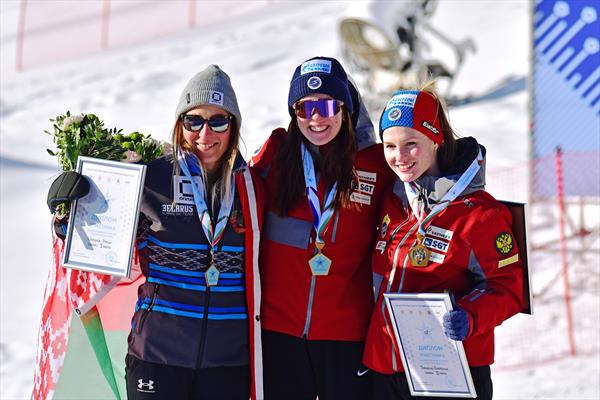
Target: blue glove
456 324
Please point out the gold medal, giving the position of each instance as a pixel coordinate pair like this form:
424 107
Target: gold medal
319 263
419 254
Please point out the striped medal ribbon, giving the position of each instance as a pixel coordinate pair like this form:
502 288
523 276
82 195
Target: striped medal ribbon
215 234
319 263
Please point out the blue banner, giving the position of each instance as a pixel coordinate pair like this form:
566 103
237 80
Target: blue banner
566 91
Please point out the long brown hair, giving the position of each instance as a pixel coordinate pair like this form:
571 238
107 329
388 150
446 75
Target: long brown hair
447 151
221 190
336 165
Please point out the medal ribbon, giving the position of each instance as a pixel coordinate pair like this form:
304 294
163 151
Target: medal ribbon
213 235
321 220
455 191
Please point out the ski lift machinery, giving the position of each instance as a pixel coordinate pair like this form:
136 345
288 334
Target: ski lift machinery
384 45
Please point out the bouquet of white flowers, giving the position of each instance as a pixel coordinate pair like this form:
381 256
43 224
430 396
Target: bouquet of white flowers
85 135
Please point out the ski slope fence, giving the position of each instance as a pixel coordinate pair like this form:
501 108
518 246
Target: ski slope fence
564 262
60 30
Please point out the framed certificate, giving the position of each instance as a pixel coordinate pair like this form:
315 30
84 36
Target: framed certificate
435 365
102 226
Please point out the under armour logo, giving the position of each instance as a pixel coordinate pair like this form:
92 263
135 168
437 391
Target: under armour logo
145 386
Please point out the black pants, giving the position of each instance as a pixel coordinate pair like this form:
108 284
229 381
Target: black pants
146 381
300 369
395 387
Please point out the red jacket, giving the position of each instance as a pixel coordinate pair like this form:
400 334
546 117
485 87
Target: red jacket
341 302
473 259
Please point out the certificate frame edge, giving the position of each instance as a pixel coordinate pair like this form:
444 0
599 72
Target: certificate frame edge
141 177
445 298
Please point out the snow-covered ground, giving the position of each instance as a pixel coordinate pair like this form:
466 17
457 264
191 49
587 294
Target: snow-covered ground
137 87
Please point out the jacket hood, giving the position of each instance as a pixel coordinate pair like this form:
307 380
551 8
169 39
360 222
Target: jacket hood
434 188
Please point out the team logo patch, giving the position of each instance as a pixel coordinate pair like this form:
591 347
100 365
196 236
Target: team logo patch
394 114
384 225
380 246
314 82
435 244
216 98
317 65
366 176
366 187
439 233
182 188
404 99
360 198
436 257
504 243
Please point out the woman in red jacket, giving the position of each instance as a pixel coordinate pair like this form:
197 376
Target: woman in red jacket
325 176
438 207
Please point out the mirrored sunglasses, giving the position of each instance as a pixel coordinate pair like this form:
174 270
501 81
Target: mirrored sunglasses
195 123
325 107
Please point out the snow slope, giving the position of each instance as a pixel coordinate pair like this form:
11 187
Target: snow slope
137 87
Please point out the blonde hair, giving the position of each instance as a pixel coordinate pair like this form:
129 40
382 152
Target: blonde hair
222 188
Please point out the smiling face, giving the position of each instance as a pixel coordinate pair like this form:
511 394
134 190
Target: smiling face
409 153
207 145
317 129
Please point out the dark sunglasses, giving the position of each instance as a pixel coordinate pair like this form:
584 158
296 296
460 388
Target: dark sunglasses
325 107
195 123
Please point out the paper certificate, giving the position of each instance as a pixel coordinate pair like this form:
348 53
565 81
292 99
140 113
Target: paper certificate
102 226
435 365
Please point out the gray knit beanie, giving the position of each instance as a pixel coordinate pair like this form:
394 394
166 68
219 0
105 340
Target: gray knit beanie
209 87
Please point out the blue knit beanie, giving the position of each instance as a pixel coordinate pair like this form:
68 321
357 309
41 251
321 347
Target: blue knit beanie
320 75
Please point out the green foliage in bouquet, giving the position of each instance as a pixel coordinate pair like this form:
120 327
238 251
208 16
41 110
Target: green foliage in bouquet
85 135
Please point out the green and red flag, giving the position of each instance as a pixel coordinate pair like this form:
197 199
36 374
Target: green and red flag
82 342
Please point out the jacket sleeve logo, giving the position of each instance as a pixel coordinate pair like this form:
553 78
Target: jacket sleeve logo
504 243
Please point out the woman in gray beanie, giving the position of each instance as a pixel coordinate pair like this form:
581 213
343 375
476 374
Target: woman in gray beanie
324 182
195 331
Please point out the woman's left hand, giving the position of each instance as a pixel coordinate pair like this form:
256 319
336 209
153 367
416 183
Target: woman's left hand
456 324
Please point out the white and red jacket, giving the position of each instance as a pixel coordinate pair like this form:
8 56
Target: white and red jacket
333 307
473 255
